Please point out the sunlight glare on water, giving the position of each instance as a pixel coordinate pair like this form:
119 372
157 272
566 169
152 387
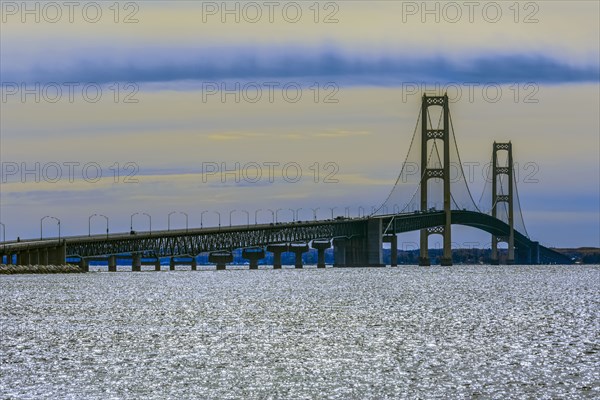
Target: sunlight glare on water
458 332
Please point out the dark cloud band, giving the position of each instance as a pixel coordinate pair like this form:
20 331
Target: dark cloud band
226 64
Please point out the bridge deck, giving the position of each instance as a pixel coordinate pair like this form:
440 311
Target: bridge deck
199 240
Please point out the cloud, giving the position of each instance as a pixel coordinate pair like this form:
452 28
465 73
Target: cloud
194 66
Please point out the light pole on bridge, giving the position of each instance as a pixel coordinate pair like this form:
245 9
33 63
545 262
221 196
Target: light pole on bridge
219 214
314 210
295 213
3 234
42 226
230 213
149 221
169 220
347 212
276 216
186 220
3 242
256 216
202 217
90 223
131 221
178 212
361 208
332 208
272 214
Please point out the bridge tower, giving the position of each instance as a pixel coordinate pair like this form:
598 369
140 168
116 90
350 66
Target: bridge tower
427 134
501 197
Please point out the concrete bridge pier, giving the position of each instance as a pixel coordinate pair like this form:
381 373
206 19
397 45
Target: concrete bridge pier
511 258
112 263
34 257
446 262
356 252
494 260
351 252
84 264
157 264
58 255
253 255
43 258
393 240
534 253
31 257
321 246
193 263
23 258
277 250
339 252
221 259
424 261
359 251
298 249
374 243
136 262
528 255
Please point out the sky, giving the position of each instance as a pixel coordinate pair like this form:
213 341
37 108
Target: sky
158 107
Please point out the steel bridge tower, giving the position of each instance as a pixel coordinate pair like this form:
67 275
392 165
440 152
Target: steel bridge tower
429 133
501 197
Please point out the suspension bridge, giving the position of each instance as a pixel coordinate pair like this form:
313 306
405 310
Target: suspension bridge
433 200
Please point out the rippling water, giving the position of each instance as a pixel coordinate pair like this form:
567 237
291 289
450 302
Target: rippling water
407 332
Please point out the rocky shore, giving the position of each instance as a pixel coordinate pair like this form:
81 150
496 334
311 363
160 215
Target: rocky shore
38 269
